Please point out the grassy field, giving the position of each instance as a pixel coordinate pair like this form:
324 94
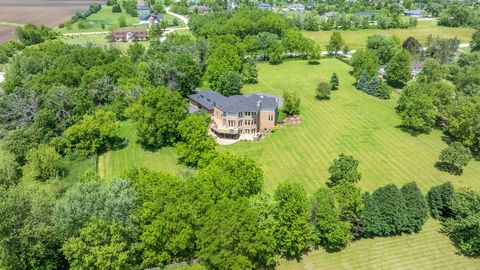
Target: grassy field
428 249
351 122
357 39
114 164
99 40
110 21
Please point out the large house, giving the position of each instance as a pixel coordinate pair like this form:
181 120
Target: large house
129 35
296 7
416 67
239 116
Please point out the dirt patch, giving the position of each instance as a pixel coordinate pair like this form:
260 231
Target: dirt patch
6 33
47 12
291 120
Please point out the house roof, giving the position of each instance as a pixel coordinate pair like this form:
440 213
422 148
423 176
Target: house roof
413 12
251 102
364 13
330 14
296 6
265 5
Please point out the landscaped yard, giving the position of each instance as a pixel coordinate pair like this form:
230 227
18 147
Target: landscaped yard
357 39
351 122
428 249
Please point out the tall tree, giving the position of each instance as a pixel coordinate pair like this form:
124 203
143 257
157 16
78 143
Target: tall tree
336 43
323 90
334 82
475 42
439 198
291 104
229 84
364 60
431 72
294 232
231 238
399 70
350 204
417 209
249 71
454 158
157 114
330 232
195 143
344 170
45 163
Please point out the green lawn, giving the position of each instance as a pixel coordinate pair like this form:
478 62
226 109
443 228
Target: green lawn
110 21
99 40
351 122
357 39
113 164
428 249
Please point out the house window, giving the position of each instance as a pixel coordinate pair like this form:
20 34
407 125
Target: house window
240 114
247 113
254 122
254 113
253 131
270 118
247 131
240 122
231 123
247 122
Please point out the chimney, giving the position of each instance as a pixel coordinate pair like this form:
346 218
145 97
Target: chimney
259 103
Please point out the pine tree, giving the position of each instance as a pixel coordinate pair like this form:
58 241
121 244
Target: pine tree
334 82
363 81
373 86
417 211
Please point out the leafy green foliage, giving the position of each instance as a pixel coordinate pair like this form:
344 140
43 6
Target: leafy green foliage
135 51
31 34
323 90
195 143
294 232
464 227
364 61
330 232
336 43
416 207
385 212
93 135
113 202
27 236
232 239
383 47
432 72
156 115
102 245
453 158
349 201
45 162
377 87
229 84
221 59
362 82
439 198
10 172
334 81
344 170
249 71
291 105
399 70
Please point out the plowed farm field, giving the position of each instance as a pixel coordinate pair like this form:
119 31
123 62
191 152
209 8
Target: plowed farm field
47 12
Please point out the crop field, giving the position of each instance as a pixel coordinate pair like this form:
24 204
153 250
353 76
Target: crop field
47 12
427 250
357 39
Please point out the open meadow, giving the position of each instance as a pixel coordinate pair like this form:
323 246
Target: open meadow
357 39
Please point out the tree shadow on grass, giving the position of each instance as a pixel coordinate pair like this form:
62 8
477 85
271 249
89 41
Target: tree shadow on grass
412 131
447 167
322 98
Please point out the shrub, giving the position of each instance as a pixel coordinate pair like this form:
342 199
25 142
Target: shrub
453 158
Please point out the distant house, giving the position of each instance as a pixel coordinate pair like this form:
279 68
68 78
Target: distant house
416 66
364 14
231 5
329 15
265 6
296 7
154 19
143 11
413 13
239 116
199 9
129 35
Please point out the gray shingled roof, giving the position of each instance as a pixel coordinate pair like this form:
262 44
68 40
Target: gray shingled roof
235 104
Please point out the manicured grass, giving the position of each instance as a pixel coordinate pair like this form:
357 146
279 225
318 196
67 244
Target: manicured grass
113 164
99 40
428 249
357 39
350 122
110 21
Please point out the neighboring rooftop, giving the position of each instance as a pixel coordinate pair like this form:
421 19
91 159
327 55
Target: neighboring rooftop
237 103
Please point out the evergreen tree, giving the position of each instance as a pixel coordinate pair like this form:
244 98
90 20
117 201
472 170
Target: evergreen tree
386 214
439 200
334 82
363 81
417 210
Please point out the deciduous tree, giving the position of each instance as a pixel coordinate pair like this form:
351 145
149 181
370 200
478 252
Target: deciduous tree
344 170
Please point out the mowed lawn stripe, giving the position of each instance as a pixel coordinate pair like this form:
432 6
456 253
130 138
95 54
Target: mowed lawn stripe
350 122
